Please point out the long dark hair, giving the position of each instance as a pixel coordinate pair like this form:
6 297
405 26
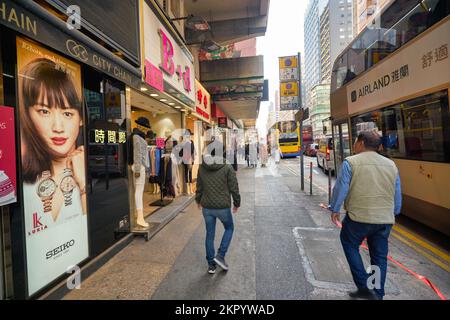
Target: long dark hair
41 74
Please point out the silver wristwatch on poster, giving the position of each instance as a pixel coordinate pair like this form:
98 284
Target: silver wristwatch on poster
46 189
67 185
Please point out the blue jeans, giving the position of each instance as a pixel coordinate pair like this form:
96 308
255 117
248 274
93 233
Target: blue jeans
352 235
224 215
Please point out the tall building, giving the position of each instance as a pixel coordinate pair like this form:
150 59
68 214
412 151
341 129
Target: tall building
364 11
312 47
320 110
336 32
325 45
328 30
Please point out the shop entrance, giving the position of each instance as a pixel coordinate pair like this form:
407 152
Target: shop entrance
156 127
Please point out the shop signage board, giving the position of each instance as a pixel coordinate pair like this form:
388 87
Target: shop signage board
223 122
202 102
55 207
154 76
15 17
109 25
8 184
173 59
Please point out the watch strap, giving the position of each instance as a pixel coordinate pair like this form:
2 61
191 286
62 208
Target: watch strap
47 204
67 198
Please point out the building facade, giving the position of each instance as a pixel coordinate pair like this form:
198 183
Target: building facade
364 11
320 110
311 75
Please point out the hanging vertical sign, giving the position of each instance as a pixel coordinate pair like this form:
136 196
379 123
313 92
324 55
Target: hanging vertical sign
289 68
203 102
53 163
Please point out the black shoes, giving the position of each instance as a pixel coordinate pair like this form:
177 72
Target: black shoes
366 294
212 269
221 262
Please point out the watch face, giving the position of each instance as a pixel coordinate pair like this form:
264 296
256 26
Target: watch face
46 188
67 184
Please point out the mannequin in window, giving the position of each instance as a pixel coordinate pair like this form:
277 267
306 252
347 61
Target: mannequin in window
141 165
169 143
188 155
150 137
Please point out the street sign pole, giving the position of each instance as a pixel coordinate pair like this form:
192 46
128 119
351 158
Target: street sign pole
302 173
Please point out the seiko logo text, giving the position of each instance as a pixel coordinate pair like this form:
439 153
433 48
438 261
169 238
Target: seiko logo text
50 254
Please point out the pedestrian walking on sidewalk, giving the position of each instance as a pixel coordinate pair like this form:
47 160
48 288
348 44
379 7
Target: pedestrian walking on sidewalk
216 185
369 186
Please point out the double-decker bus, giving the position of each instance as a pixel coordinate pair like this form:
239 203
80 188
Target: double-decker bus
394 77
289 138
287 135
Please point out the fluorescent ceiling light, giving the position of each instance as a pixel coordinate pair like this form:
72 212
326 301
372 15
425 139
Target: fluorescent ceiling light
163 100
144 89
154 94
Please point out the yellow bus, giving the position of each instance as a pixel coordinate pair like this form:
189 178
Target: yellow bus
394 78
288 138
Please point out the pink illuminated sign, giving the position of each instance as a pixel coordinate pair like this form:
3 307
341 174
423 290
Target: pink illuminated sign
154 76
168 64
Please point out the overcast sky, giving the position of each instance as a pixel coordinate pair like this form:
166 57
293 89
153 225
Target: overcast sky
284 37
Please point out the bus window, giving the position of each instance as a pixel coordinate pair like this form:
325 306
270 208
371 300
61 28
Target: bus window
416 129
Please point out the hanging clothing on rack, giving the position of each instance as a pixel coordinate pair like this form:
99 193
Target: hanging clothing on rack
165 176
176 175
155 156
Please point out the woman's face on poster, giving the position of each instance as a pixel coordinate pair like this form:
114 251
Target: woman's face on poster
58 126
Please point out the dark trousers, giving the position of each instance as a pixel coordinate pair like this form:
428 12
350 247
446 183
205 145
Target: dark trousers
352 235
187 173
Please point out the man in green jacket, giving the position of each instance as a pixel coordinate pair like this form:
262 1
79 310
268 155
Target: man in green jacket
216 184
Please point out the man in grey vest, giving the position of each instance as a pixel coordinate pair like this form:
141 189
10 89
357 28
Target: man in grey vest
369 186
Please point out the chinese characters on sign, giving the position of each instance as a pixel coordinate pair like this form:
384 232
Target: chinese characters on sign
436 55
289 103
111 135
288 89
202 102
400 73
289 83
154 76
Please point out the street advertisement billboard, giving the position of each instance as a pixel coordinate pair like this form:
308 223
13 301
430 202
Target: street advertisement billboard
8 184
289 89
289 103
53 163
288 67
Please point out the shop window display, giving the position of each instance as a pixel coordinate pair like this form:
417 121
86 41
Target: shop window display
162 180
107 155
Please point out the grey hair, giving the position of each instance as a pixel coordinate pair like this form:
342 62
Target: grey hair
371 139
